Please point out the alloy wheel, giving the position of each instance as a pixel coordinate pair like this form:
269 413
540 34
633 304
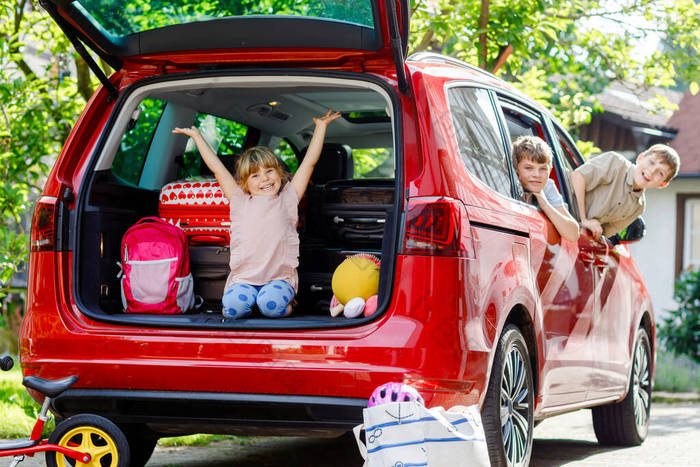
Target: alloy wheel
514 407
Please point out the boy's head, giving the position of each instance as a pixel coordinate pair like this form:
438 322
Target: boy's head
656 167
532 158
260 172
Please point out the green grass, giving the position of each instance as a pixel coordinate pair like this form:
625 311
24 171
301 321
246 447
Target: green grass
18 411
200 440
676 373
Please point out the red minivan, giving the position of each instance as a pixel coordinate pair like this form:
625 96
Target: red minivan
480 300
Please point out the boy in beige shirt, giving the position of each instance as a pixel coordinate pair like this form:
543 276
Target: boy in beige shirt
610 189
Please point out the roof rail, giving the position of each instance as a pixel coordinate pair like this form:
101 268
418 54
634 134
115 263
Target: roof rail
431 57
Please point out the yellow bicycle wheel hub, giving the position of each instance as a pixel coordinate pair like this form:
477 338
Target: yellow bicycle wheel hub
92 441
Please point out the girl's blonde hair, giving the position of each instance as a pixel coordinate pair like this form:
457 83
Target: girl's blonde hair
254 159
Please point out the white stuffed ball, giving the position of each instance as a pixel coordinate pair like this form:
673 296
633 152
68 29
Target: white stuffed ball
354 307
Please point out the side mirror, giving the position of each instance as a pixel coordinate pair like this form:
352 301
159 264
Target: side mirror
633 233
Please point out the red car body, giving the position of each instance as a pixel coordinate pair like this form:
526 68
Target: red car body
498 262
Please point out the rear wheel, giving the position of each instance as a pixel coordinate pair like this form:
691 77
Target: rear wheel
626 423
508 408
93 435
142 443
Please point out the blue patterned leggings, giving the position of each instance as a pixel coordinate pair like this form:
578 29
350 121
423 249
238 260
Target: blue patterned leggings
272 299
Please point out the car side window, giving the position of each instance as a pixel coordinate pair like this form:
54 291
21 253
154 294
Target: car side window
133 148
478 138
227 137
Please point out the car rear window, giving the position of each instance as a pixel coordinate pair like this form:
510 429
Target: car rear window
121 18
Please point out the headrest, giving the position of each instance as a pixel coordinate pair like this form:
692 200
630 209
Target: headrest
335 163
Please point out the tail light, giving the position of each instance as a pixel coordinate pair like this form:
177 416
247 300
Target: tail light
43 237
437 226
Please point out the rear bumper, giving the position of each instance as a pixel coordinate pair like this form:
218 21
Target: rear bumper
175 412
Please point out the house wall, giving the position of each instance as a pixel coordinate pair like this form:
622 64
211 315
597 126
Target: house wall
656 252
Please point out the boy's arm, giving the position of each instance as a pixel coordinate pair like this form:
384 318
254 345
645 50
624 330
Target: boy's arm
223 176
303 174
560 217
579 185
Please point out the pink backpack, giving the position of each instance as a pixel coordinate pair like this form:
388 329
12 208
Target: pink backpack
155 275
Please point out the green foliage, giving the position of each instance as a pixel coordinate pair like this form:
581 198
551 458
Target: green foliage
200 440
676 373
680 331
18 411
369 163
122 17
36 115
564 52
128 162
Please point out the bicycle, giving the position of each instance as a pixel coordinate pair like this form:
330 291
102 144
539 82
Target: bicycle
83 439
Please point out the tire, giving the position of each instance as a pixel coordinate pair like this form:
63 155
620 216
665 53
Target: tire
142 442
626 423
509 404
93 434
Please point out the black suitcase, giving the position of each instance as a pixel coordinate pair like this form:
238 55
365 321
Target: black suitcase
316 266
210 268
354 211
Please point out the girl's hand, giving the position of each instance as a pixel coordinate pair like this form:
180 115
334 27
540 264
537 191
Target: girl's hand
191 131
326 119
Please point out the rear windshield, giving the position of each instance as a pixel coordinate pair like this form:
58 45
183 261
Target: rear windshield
124 17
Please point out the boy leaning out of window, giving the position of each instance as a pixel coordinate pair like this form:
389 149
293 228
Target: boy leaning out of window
610 189
532 158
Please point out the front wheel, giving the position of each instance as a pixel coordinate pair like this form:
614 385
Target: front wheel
93 435
509 405
626 423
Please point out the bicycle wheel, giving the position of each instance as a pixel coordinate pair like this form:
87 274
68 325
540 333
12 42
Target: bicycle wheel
91 434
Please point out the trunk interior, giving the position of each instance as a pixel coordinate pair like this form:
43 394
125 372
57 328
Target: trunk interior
349 206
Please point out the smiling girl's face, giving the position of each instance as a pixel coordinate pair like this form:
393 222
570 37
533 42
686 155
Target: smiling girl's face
265 182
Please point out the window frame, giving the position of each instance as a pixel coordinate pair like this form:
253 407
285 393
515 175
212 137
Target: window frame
683 229
559 154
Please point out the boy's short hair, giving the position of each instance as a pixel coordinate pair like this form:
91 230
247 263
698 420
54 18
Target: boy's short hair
668 155
533 148
255 158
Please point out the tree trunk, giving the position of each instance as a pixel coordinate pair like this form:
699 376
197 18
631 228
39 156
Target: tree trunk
483 39
84 84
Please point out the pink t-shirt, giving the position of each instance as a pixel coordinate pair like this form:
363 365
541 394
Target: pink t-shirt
264 238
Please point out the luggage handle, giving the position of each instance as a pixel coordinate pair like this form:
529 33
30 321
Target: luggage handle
360 220
198 239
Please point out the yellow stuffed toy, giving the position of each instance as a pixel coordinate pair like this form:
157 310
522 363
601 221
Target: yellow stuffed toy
354 282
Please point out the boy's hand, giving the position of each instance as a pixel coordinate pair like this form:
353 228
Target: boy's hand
191 131
593 226
326 119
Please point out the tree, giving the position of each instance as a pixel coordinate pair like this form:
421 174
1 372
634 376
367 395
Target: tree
37 112
562 52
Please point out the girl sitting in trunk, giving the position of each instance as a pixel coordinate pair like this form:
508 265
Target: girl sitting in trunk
264 239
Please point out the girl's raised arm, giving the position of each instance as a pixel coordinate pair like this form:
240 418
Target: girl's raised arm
223 176
303 174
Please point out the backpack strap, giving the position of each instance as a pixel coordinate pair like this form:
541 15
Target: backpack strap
157 220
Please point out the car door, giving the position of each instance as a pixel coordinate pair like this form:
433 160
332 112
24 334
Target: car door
611 312
565 283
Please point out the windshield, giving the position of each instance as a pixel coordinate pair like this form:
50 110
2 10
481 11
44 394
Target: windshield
124 17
